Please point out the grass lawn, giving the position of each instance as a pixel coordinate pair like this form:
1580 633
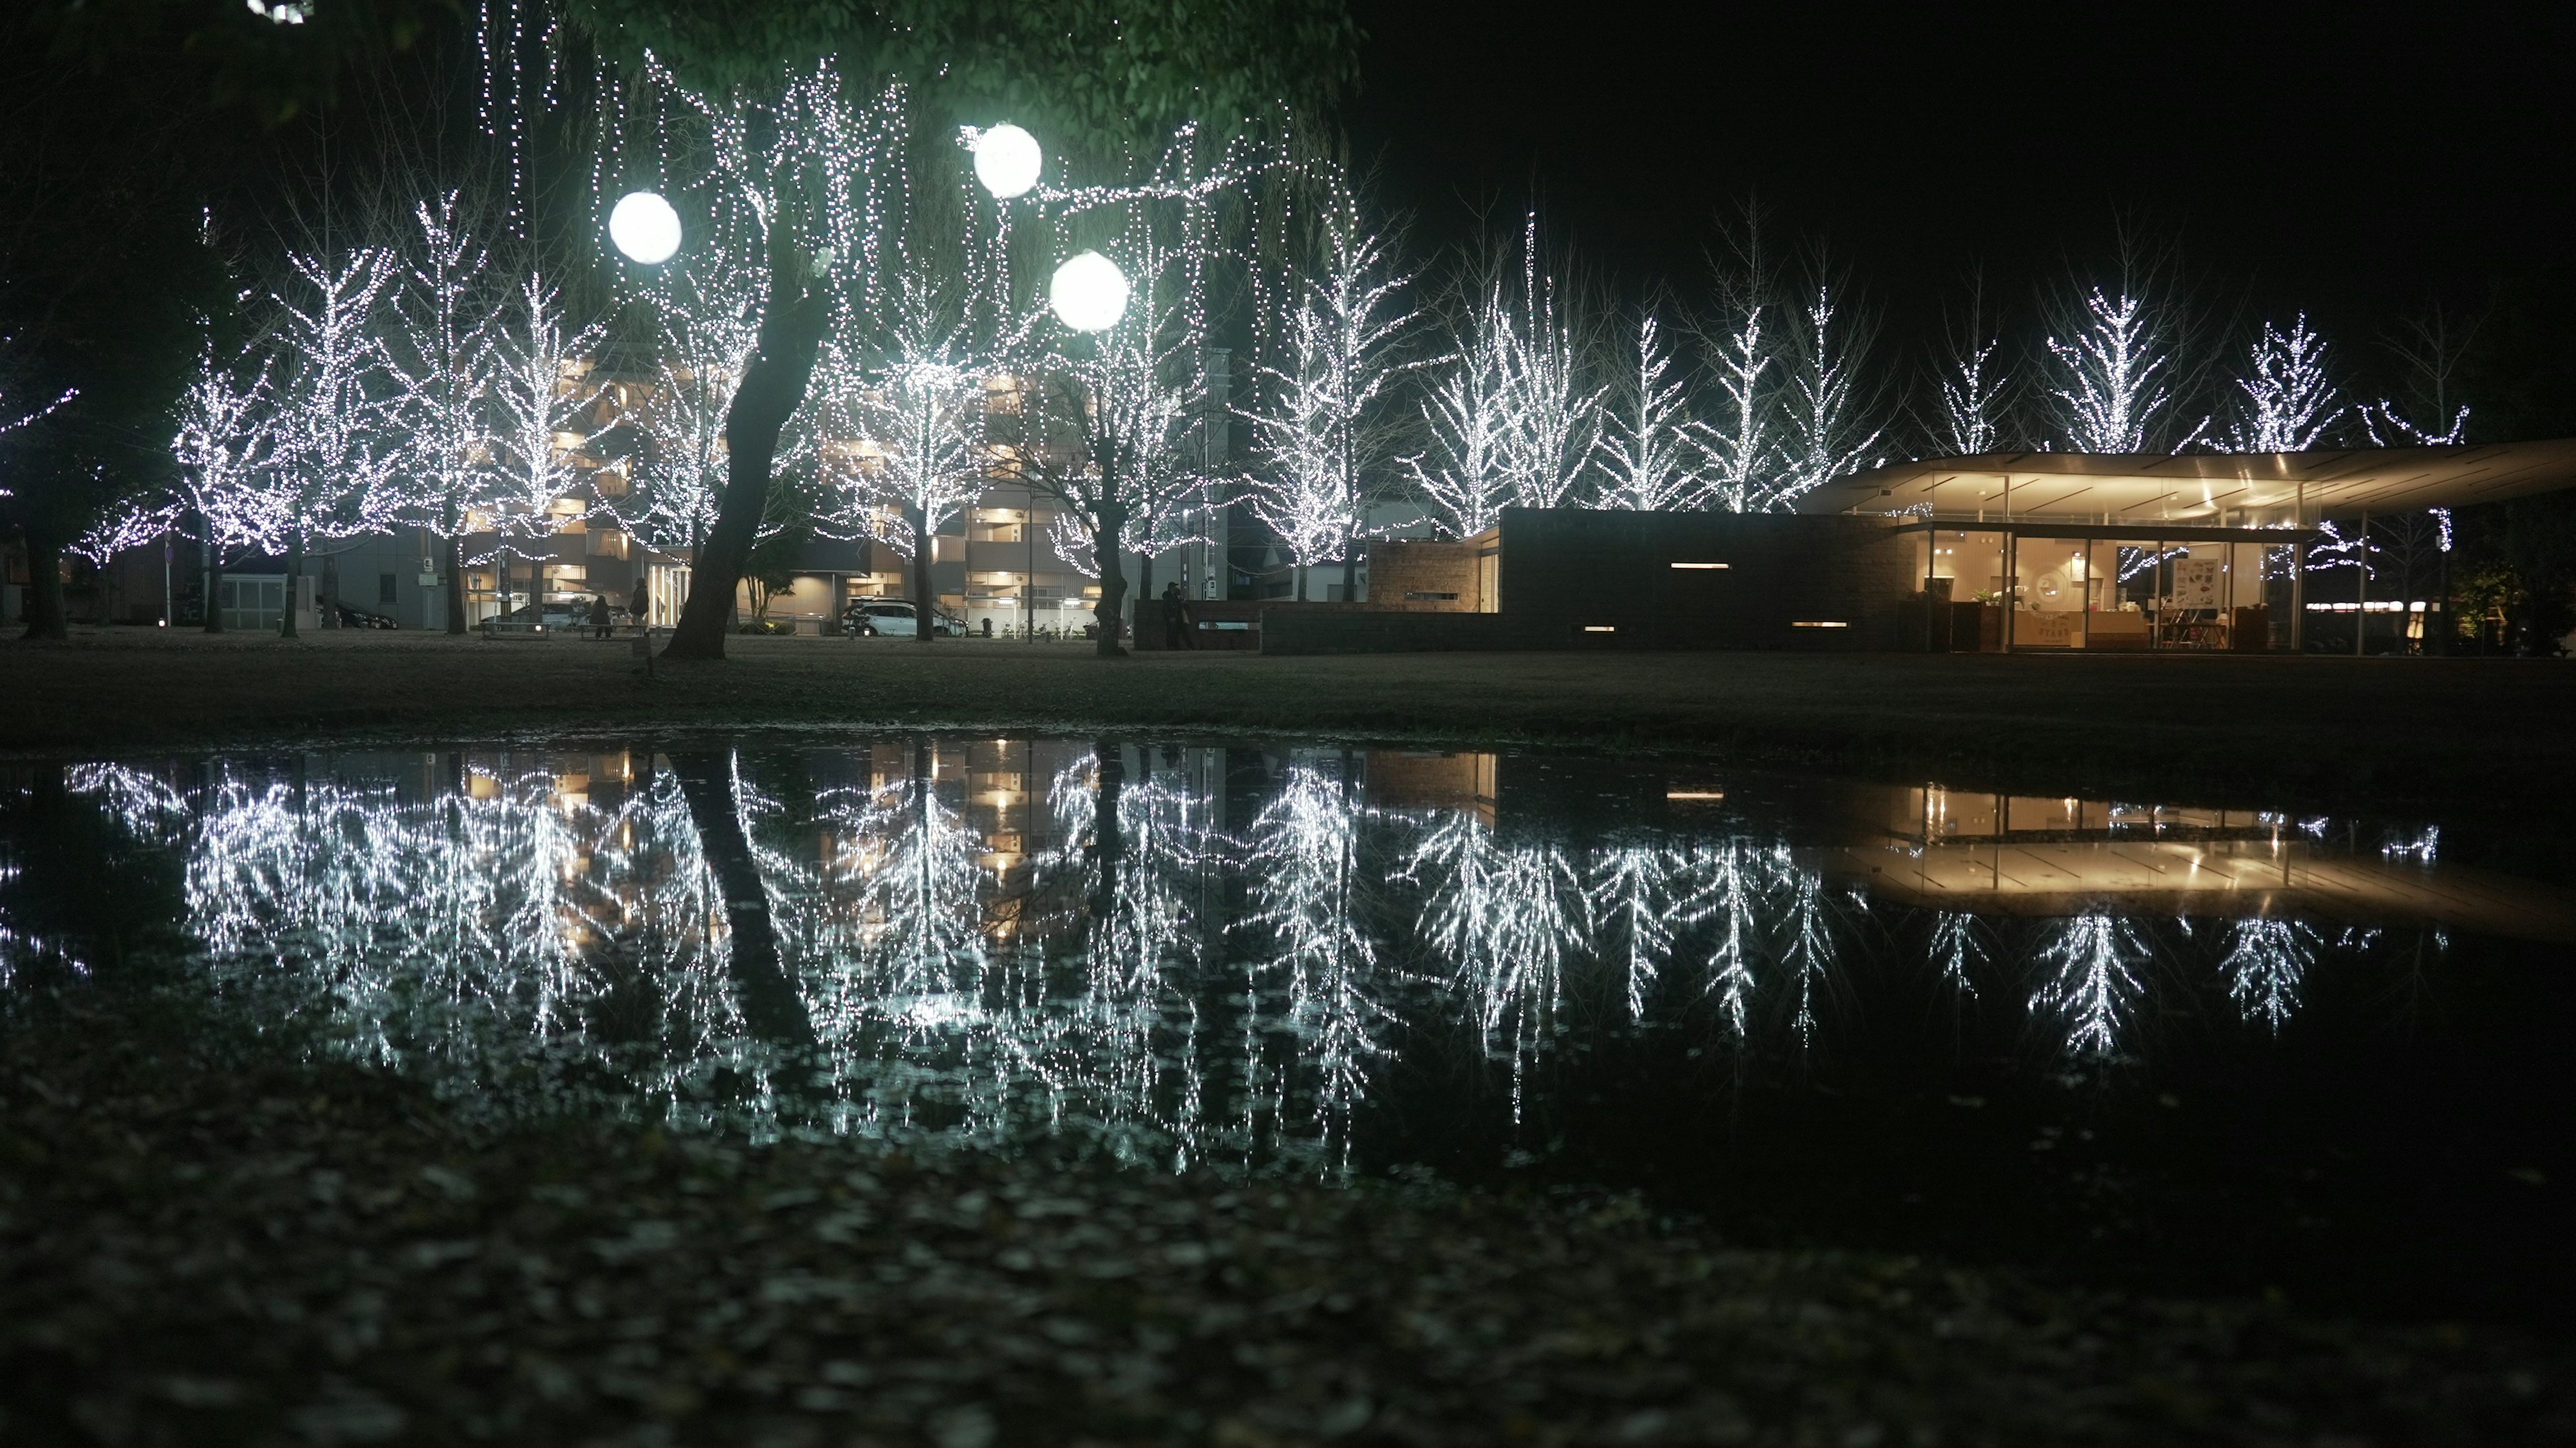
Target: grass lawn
2236 730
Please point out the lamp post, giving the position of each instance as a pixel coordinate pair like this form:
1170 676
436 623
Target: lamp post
644 228
1007 163
1088 293
646 231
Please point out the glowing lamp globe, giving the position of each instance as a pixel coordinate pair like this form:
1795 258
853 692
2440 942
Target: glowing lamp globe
1007 161
1088 293
645 228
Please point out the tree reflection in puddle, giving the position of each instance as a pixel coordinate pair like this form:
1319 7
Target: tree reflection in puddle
1195 956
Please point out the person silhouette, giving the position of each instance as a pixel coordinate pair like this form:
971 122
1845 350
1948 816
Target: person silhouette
1176 618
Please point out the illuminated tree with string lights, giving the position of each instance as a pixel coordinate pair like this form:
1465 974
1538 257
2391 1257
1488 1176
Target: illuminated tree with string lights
1824 404
221 446
545 413
2112 376
1556 413
709 326
439 350
1324 430
920 415
1738 439
1647 457
1462 477
333 463
1972 381
2289 403
1109 419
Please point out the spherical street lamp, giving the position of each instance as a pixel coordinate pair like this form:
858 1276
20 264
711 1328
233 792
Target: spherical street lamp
1007 161
1088 293
645 228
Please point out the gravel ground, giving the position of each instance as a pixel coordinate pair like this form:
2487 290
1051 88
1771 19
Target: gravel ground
2238 731
207 1242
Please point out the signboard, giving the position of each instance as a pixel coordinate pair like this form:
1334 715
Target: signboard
2197 583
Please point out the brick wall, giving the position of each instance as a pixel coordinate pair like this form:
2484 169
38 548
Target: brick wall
1423 577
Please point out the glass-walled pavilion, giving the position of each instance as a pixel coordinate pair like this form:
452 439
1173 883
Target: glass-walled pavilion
2150 552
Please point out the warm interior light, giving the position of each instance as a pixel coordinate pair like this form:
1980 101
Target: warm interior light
1818 623
645 228
1695 795
1699 565
1007 161
1600 628
1088 293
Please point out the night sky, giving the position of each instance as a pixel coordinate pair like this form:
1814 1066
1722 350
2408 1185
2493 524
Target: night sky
2353 163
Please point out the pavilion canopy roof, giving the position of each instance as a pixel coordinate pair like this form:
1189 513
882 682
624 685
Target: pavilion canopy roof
2204 488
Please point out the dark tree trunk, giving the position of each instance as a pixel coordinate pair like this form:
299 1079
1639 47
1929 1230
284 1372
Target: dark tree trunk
455 584
330 603
924 593
771 1006
1351 574
46 616
294 575
1113 581
1108 844
1144 582
772 388
214 591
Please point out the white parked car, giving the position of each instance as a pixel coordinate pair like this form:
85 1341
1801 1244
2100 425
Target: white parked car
891 618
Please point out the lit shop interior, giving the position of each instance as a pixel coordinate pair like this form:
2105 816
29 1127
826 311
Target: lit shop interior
2149 552
2067 589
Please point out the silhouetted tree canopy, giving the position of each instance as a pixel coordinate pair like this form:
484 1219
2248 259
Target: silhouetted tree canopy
1112 72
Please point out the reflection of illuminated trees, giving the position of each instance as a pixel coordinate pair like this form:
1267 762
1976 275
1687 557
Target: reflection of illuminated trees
418 917
1725 896
492 916
1302 869
1631 893
2091 963
1503 919
2265 963
1126 882
1956 947
908 890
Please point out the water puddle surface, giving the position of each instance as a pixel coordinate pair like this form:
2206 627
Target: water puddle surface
2185 1047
